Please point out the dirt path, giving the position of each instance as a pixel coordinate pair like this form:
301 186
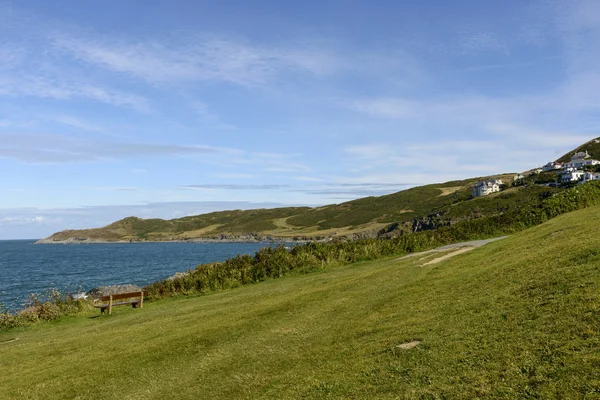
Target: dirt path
449 255
462 247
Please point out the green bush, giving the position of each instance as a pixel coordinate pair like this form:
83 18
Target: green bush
46 307
276 262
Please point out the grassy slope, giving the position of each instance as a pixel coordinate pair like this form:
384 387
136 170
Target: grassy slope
354 216
518 318
592 147
371 213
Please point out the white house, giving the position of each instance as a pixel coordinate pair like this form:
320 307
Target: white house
566 169
591 176
483 188
551 166
581 159
518 176
580 163
571 176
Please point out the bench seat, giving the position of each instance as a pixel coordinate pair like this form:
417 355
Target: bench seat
137 298
103 307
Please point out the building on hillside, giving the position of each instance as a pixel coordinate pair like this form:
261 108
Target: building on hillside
580 154
518 177
580 163
591 176
580 160
483 188
536 171
573 175
566 169
552 166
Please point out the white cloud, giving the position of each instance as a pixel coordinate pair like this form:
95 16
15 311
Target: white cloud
23 220
196 58
62 88
234 175
112 188
37 148
539 137
308 179
76 123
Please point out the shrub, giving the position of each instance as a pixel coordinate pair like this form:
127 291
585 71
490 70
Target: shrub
45 307
275 262
48 311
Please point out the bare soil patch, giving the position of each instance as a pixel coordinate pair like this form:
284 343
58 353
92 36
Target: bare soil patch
450 255
449 190
409 345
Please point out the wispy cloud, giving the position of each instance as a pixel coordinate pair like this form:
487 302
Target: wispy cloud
234 187
308 179
63 88
233 175
112 188
354 190
32 148
196 58
76 123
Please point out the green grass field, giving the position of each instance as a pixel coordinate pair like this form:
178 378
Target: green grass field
517 318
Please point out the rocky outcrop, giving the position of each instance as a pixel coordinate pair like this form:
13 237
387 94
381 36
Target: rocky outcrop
430 222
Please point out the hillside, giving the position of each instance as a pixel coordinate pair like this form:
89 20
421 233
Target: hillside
417 208
517 318
592 147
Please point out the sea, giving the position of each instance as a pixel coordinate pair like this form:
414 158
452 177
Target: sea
27 268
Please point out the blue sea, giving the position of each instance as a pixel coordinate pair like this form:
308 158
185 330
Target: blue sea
27 268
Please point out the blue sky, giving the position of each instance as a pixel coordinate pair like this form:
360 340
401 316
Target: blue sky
172 108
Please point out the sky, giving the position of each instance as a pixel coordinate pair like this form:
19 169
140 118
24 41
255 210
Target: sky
162 109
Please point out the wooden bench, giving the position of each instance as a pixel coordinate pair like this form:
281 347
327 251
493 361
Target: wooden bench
135 299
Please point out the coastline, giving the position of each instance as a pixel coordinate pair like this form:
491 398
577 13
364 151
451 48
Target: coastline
240 239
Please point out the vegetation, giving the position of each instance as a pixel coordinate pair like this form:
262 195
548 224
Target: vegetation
517 318
47 307
452 200
277 262
592 147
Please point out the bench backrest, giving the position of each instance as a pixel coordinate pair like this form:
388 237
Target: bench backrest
118 296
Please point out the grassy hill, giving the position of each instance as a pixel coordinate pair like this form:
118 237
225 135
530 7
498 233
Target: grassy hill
448 202
592 147
517 318
426 207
